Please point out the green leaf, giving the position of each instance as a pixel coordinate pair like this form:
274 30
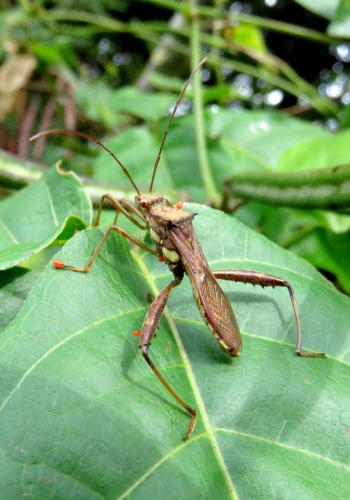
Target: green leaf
259 144
15 284
145 105
321 237
54 54
341 22
250 36
327 251
261 136
237 140
104 104
324 8
137 150
317 152
40 214
82 415
93 100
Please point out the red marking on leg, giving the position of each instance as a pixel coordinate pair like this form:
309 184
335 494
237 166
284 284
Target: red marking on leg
58 264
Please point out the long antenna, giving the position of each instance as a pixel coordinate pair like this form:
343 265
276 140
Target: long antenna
170 120
89 137
73 132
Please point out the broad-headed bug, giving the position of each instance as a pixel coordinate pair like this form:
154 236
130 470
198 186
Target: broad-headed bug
177 245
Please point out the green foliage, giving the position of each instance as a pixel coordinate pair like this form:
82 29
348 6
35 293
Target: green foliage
81 413
47 212
92 420
107 105
16 283
325 8
249 36
239 143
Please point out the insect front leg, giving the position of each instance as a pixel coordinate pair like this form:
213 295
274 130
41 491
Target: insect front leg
60 265
121 206
262 279
149 328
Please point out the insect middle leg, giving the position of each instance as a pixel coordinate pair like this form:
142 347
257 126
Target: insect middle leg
149 328
262 279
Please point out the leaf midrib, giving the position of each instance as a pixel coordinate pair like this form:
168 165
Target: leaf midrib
200 407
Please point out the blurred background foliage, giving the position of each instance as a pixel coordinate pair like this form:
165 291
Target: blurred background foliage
272 97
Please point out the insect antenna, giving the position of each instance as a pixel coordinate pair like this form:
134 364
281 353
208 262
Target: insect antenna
89 137
170 121
86 136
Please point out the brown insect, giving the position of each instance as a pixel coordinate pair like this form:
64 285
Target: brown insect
177 245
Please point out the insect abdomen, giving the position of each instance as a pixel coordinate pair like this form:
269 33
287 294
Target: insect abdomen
217 313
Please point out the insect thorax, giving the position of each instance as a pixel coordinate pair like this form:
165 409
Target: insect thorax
162 219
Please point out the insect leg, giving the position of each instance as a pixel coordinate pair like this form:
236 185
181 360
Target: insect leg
119 205
149 328
120 230
129 206
256 278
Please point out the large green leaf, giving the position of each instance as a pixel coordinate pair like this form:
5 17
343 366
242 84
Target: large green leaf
40 214
82 415
261 136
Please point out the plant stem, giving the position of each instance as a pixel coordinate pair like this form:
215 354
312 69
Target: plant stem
212 195
287 28
288 80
